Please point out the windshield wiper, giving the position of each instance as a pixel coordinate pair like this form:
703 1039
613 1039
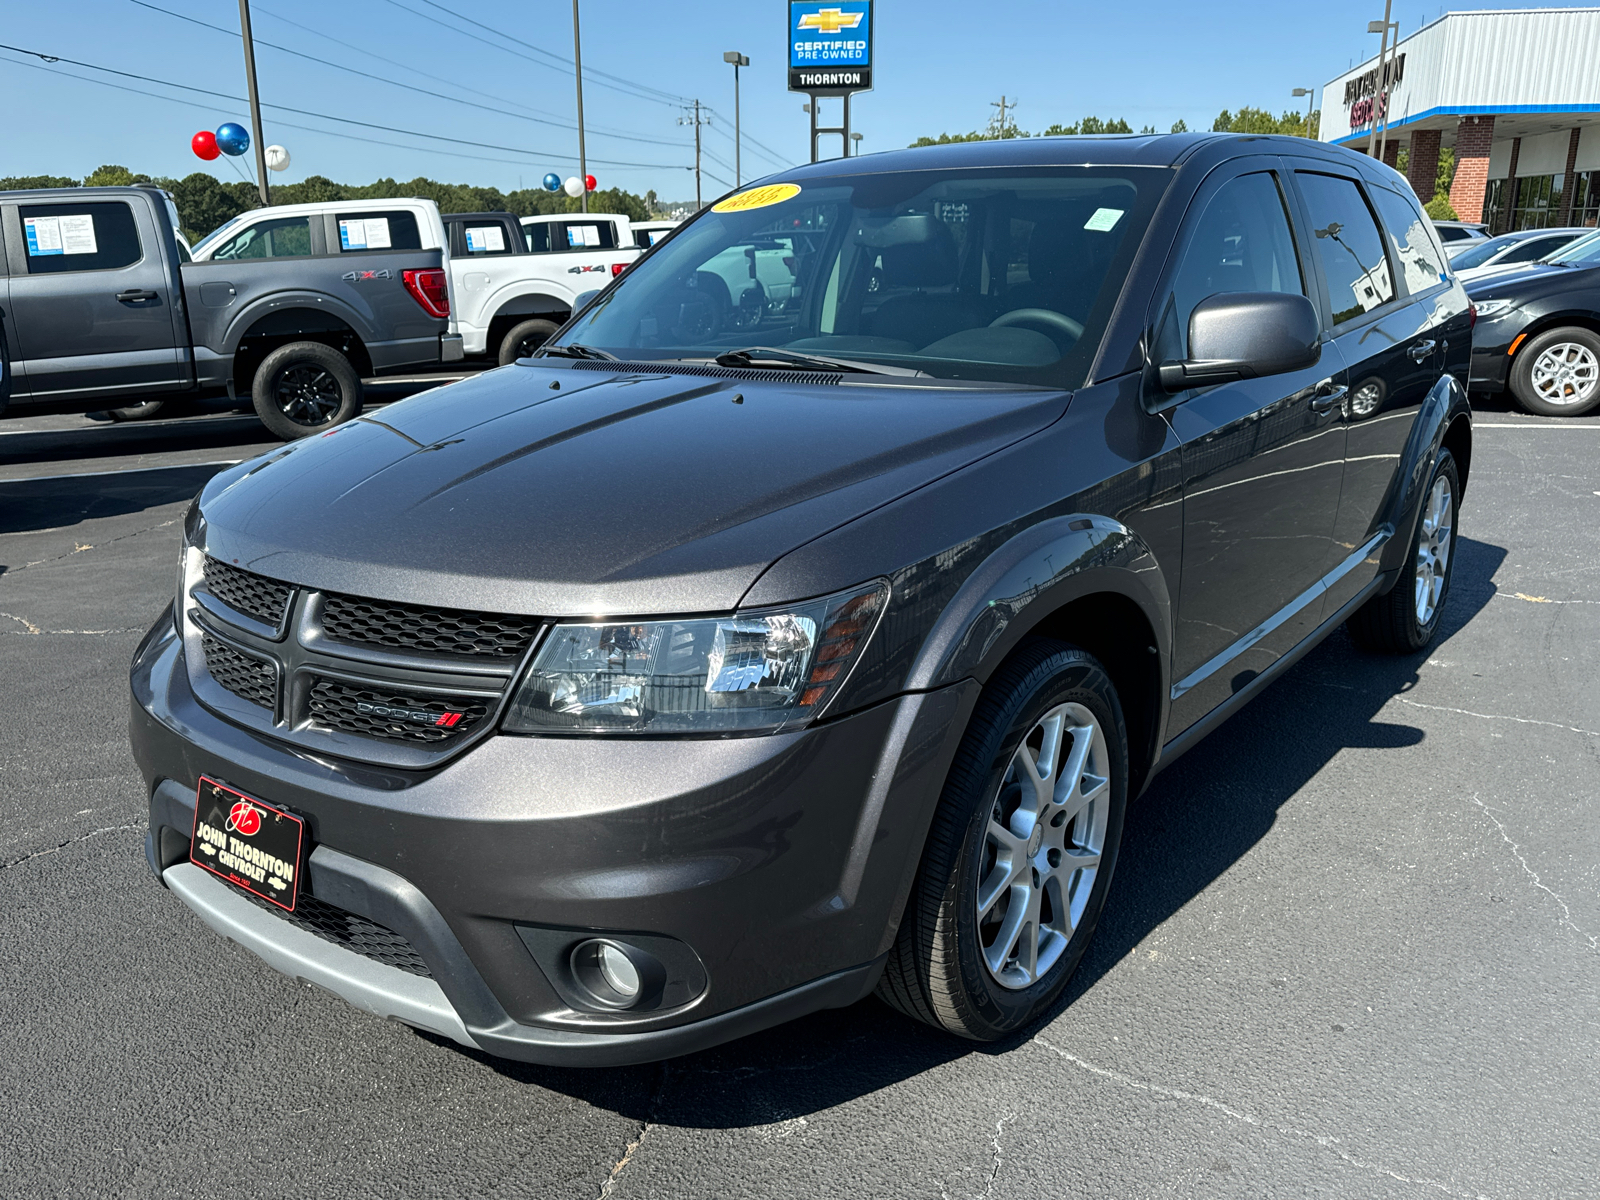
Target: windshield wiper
577 350
765 355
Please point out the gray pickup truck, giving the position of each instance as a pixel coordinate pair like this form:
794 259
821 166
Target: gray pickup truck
99 302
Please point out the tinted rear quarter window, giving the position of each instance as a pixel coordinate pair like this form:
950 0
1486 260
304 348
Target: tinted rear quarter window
395 230
483 239
79 237
1421 259
538 238
587 235
1348 246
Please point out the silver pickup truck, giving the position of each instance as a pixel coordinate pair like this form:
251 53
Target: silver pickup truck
99 303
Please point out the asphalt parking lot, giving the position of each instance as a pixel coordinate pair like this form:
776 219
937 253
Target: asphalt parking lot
1353 946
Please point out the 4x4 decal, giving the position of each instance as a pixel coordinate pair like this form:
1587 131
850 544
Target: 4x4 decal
357 276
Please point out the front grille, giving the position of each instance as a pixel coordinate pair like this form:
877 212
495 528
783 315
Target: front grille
245 676
246 592
428 630
352 931
393 714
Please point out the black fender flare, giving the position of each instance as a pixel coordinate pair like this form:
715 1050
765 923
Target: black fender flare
316 302
1446 404
1035 573
531 304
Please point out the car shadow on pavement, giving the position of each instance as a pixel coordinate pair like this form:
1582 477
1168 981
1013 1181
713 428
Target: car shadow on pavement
27 505
1197 820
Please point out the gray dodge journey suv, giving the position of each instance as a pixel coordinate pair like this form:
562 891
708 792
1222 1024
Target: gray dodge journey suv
801 621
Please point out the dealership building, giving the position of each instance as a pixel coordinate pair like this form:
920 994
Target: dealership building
1515 92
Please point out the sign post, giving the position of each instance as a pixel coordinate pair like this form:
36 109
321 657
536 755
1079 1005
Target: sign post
830 54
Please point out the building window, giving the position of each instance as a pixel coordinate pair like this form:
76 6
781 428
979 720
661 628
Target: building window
1586 199
1530 203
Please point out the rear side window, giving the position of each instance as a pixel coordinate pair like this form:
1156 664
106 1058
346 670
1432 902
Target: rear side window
1452 233
537 237
1421 259
1535 248
378 231
1348 246
79 237
281 237
1242 243
480 239
588 235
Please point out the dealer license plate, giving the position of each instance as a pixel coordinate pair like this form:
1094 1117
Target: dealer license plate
249 843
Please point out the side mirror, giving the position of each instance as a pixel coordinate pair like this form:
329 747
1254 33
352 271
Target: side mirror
1245 335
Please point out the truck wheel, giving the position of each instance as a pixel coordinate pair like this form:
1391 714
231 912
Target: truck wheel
524 339
1557 374
1405 619
305 388
1019 857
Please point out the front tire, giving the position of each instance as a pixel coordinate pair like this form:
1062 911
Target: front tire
1019 858
523 339
305 388
1557 374
1405 619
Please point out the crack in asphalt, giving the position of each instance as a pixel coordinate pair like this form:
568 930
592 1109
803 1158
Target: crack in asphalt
78 548
30 629
1326 1141
83 837
1533 877
1462 712
994 1170
644 1130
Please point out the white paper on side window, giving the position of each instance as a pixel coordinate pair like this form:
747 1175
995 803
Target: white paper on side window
1104 219
44 235
378 233
574 235
77 234
591 235
352 235
490 239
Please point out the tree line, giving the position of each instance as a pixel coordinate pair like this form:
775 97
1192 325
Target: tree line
205 202
1246 120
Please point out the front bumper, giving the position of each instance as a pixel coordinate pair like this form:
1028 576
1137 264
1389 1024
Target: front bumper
1491 339
783 862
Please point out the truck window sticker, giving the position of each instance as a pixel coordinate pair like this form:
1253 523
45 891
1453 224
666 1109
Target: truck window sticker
370 233
486 239
66 234
581 236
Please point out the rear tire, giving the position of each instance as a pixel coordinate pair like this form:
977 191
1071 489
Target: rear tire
305 388
524 339
1014 874
1405 619
147 411
1557 374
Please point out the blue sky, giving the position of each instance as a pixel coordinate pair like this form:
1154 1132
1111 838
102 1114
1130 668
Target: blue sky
940 64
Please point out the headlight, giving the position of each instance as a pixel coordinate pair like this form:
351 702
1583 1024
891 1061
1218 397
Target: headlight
764 670
1492 308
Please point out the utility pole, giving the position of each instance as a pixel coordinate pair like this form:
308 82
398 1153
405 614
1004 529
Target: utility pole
738 60
1377 92
696 122
1000 127
1310 94
577 61
255 100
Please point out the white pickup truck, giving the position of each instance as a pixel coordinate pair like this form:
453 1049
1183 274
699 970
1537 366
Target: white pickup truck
515 282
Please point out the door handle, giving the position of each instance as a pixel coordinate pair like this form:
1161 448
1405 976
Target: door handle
1421 350
1327 397
135 294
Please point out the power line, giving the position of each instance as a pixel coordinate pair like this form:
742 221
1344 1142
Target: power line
559 123
304 112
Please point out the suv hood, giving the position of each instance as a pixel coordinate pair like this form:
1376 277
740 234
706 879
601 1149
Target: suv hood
553 491
1522 277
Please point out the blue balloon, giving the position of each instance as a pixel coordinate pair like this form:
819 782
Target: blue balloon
233 138
552 182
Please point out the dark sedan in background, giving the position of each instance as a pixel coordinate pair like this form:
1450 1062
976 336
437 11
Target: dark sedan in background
1538 332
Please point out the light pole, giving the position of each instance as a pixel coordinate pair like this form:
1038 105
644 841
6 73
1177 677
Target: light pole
255 100
577 61
1383 54
738 60
1310 94
856 139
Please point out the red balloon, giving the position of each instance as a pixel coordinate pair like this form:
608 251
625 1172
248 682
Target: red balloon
204 144
588 182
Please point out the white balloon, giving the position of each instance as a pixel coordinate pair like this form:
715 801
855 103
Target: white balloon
573 187
277 158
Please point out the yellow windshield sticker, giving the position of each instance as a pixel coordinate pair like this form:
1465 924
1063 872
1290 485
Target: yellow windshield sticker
761 197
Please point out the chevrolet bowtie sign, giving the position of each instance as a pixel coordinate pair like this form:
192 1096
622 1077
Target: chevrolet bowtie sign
830 46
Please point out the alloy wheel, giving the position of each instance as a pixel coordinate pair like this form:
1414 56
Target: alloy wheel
1565 373
1434 543
307 394
1043 845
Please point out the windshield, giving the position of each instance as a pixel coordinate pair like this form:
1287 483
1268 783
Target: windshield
1584 251
1479 254
1006 275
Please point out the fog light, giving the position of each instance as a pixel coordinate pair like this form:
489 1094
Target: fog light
615 974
